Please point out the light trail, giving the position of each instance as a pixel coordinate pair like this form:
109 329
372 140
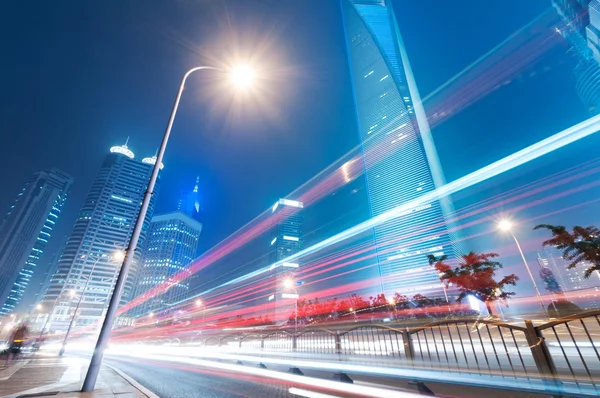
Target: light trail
316 267
340 172
532 152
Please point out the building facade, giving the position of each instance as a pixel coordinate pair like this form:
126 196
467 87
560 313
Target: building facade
579 27
171 247
25 232
583 291
101 231
399 154
286 240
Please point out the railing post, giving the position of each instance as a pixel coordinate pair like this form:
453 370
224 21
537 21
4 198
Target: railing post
338 343
240 343
409 349
262 343
541 356
294 342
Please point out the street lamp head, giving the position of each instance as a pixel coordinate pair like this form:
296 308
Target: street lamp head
72 292
505 225
242 76
151 314
38 307
118 255
198 303
288 283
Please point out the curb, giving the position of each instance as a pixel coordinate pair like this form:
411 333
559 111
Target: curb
133 382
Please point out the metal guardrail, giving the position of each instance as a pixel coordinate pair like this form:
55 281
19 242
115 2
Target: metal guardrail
564 352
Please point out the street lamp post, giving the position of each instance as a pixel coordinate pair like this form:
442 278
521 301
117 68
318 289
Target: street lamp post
87 282
506 226
241 76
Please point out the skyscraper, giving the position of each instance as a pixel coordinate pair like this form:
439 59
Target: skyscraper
189 202
399 155
171 247
104 226
25 232
286 239
580 27
585 291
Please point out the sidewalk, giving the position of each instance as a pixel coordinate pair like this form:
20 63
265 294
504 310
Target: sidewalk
42 376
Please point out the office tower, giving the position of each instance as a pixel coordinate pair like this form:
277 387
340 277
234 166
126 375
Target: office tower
189 202
25 232
171 247
399 154
579 27
103 228
584 291
286 239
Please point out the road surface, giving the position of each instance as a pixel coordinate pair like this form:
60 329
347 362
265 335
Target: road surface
173 380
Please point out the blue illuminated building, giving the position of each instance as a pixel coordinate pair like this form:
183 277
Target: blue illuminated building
172 245
104 227
189 202
580 27
25 232
399 155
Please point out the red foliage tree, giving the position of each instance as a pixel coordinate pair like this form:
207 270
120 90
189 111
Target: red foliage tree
475 276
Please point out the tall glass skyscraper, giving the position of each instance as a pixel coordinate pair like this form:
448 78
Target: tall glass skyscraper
580 27
104 226
399 155
286 240
172 246
25 232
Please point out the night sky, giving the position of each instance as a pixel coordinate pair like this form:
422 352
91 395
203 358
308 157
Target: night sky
80 77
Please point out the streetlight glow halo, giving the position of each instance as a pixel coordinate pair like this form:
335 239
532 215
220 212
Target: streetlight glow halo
242 76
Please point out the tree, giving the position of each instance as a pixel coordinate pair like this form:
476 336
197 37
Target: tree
580 246
474 276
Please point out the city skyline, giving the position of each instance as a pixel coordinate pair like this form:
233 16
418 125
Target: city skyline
236 221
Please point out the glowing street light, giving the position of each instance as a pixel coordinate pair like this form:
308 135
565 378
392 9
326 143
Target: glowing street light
242 77
151 315
198 303
39 307
507 225
288 283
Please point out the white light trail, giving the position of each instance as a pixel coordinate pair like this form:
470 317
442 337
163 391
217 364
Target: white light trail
532 152
552 143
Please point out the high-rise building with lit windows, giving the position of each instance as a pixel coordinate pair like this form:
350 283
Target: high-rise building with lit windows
104 226
25 232
580 27
399 154
286 240
583 291
171 247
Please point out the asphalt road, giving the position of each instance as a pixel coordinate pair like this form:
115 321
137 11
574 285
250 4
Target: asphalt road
173 380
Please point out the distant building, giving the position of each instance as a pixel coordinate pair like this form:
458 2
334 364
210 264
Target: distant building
25 232
583 291
171 247
189 202
399 155
286 240
104 226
